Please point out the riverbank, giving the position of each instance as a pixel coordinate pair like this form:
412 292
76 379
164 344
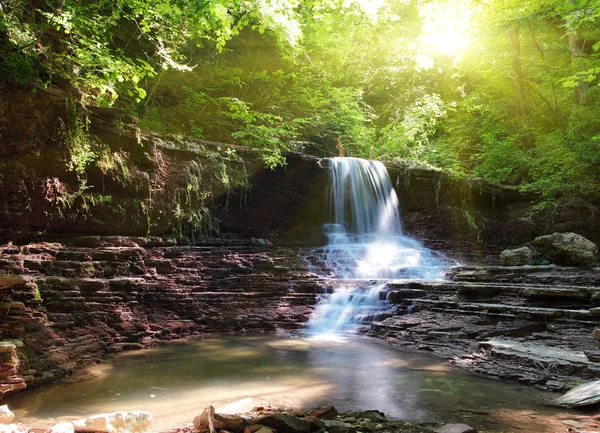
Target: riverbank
236 417
70 303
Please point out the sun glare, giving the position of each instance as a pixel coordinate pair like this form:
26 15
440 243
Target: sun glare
446 26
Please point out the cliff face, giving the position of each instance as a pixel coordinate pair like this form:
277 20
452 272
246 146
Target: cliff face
71 179
65 306
68 170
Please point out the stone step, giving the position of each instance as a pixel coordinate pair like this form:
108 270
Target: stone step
539 352
504 308
548 274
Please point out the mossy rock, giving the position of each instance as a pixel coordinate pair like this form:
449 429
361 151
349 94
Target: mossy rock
9 281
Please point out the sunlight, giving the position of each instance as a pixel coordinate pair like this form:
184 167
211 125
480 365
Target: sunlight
446 26
369 7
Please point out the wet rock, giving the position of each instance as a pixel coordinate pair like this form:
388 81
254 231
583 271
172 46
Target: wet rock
517 257
567 249
315 423
582 395
284 423
62 427
371 415
555 385
221 421
6 416
333 426
455 428
135 421
325 412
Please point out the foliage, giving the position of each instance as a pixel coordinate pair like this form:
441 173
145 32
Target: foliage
507 91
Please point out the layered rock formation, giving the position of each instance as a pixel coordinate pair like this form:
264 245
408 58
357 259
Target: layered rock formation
109 178
532 324
77 301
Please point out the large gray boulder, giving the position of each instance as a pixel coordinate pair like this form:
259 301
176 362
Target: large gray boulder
567 249
517 257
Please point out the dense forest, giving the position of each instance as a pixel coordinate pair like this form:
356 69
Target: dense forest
503 90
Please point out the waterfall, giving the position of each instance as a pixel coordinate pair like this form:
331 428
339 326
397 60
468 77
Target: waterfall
365 242
349 307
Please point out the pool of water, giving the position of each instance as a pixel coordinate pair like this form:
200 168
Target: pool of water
175 382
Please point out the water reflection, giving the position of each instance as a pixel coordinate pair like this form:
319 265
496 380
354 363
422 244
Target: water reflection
175 382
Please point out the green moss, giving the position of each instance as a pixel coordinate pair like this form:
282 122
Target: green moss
115 165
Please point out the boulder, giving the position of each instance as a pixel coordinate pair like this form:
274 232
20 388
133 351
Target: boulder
325 412
517 257
221 421
455 428
315 423
136 421
284 423
569 249
6 416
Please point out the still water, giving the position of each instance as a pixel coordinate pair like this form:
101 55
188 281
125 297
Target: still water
175 382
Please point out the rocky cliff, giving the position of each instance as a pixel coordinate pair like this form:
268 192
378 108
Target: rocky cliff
67 305
85 170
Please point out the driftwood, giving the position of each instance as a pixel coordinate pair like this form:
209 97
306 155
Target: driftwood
211 419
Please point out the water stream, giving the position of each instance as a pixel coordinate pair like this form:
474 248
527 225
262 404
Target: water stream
365 242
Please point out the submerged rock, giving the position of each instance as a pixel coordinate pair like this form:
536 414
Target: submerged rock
455 428
567 249
582 395
517 257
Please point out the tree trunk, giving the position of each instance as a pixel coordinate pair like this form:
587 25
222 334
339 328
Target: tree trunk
514 44
576 48
553 105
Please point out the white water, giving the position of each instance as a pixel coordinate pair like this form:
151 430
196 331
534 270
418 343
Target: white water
365 242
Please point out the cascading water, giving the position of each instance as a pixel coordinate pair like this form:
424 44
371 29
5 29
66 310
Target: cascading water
365 243
348 307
